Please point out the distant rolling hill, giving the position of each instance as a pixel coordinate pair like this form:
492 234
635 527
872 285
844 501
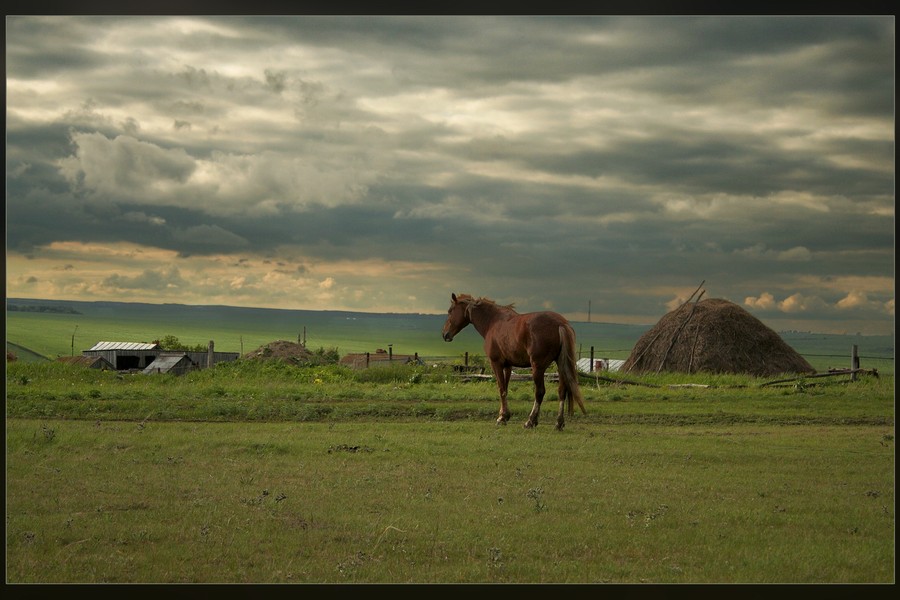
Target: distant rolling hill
48 328
24 354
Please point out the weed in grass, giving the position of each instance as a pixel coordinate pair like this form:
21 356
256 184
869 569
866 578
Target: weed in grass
537 495
351 449
348 568
495 556
49 433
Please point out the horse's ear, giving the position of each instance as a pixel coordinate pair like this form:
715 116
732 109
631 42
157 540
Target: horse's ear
453 296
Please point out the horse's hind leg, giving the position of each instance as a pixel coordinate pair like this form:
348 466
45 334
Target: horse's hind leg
502 375
563 394
537 374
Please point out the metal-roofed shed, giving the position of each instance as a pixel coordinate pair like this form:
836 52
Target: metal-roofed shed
134 356
125 355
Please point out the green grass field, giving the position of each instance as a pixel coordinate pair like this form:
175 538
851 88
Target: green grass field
461 502
269 473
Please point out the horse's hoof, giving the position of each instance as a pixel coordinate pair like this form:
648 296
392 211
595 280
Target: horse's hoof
530 425
501 421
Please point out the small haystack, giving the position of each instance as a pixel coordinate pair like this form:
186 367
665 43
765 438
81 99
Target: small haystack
713 336
290 352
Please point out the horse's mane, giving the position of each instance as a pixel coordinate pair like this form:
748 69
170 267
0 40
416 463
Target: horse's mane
472 301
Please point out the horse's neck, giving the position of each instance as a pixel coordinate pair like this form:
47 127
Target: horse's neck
485 316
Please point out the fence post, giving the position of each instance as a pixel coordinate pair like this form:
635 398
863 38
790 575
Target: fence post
467 358
854 361
591 369
367 360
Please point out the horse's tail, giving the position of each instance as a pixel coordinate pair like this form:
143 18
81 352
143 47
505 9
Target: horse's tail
567 368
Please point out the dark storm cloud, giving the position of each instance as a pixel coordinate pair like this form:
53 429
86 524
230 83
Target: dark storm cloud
542 160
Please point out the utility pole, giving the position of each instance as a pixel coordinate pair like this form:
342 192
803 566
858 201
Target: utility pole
589 311
73 340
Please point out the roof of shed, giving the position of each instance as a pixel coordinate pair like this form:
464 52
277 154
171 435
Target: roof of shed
84 360
124 346
166 362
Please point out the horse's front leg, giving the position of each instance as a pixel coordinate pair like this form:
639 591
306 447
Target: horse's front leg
502 375
537 374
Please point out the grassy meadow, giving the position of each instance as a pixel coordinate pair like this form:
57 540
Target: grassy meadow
268 472
264 472
447 502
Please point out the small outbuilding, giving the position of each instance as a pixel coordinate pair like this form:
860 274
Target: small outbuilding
175 363
714 336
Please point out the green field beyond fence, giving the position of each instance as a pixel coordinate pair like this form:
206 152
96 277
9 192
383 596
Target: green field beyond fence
37 335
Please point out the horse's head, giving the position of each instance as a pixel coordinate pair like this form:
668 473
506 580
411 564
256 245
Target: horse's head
457 316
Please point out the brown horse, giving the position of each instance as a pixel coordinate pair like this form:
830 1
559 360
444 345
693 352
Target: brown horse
521 340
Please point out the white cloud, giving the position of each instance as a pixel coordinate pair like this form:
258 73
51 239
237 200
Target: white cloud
797 254
149 279
141 217
765 301
762 252
853 300
799 303
858 301
125 168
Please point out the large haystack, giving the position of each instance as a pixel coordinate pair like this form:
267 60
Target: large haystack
713 336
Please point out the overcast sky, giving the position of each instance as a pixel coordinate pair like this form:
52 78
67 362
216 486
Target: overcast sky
378 164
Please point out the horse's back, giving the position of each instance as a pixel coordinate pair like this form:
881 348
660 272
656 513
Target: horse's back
546 324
